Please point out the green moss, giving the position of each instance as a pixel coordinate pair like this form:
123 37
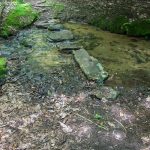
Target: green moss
113 25
122 25
138 28
21 16
3 69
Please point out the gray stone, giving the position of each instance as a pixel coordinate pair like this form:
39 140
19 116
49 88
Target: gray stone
52 26
68 46
58 36
90 66
105 92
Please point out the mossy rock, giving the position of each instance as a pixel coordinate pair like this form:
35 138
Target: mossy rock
19 16
138 28
3 69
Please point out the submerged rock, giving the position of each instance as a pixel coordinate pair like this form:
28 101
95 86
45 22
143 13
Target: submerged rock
16 16
105 92
90 66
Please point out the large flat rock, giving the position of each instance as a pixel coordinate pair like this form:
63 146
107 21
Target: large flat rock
90 66
52 26
59 36
68 47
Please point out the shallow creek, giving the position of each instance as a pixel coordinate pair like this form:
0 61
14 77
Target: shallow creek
127 59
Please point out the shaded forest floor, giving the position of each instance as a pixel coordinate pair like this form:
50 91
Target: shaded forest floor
46 102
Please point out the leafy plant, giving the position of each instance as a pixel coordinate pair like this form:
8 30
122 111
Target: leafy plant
98 117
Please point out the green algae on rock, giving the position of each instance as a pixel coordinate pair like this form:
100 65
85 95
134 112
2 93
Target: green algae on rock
16 17
90 66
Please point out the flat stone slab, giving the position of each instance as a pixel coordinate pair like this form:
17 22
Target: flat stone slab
59 36
68 46
90 66
52 26
105 92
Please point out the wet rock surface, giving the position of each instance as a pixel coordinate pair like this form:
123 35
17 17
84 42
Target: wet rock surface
46 102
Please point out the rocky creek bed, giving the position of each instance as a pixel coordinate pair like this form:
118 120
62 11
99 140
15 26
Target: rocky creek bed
47 102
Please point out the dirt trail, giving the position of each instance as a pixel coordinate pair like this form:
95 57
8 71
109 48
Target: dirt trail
46 102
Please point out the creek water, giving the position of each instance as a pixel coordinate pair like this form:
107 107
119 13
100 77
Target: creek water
127 59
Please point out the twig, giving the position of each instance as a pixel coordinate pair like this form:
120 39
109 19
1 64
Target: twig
120 124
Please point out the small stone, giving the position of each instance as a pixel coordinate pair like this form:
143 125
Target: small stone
63 115
58 105
105 92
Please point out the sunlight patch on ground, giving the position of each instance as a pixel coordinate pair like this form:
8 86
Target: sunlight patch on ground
146 103
121 114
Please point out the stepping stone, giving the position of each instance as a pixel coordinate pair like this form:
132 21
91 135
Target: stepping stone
52 26
68 46
55 27
90 66
59 36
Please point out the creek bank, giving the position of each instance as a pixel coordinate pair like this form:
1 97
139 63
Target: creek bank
124 17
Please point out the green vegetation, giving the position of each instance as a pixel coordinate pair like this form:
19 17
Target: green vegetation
112 25
138 28
23 13
98 117
2 67
122 25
